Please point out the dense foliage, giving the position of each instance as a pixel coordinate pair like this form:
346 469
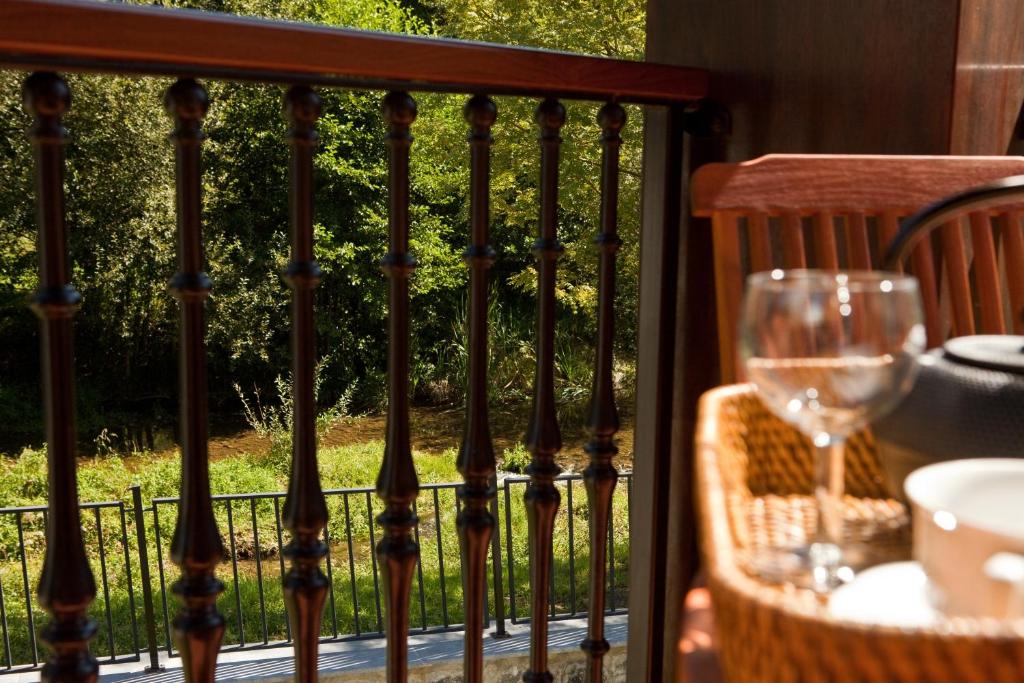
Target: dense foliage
121 215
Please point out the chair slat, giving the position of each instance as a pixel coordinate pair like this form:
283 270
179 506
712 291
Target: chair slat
728 289
888 228
825 241
793 254
922 262
543 437
759 239
858 245
476 456
1013 249
954 257
986 274
66 586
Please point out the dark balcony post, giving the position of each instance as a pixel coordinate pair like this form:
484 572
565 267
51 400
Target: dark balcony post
397 485
66 586
543 438
476 456
305 510
600 476
196 545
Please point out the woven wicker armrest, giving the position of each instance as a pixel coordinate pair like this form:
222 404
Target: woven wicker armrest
754 476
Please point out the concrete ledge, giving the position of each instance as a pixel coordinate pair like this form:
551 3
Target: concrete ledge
434 658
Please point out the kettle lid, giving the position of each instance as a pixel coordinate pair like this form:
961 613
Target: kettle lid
994 351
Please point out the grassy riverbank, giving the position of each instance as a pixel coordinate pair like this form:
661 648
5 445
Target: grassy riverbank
245 464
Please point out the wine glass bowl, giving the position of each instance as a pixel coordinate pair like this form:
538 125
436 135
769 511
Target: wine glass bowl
829 352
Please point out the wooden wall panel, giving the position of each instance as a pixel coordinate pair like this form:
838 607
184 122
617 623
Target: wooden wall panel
988 84
827 76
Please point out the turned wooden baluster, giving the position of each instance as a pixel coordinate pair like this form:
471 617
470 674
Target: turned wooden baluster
196 546
600 476
66 586
543 438
397 485
305 510
476 456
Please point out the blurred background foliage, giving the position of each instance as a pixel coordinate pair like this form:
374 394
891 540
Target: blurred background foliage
122 227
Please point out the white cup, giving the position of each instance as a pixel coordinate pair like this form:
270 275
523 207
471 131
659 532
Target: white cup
969 535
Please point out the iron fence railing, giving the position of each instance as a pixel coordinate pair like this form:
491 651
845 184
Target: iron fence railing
129 544
22 540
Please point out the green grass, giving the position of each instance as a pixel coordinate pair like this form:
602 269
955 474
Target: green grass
110 479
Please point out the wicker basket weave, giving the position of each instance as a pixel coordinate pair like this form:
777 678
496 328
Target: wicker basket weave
753 480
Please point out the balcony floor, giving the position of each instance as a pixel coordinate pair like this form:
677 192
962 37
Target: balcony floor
433 657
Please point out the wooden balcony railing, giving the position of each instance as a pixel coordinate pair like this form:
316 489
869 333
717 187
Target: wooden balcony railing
78 35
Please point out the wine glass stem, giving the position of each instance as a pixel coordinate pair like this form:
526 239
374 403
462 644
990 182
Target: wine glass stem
828 490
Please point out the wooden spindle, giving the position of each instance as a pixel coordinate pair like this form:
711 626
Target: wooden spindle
397 485
1013 248
305 510
986 274
66 586
792 234
954 255
888 228
858 246
543 438
760 240
196 546
825 241
476 456
922 261
600 475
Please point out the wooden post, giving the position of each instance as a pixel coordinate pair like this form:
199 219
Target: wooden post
66 586
543 438
397 485
476 456
305 510
655 377
196 546
600 475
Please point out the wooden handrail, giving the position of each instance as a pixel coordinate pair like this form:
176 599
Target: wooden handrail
92 36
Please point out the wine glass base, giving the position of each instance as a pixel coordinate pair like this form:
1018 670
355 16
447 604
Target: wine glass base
821 567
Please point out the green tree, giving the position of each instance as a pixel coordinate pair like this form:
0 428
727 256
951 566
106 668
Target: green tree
121 216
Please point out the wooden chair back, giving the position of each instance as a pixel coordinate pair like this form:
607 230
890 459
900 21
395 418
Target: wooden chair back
841 212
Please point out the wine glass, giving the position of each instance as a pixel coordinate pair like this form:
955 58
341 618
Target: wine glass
829 352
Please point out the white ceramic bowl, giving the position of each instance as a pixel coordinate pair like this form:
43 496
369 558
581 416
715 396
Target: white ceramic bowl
969 534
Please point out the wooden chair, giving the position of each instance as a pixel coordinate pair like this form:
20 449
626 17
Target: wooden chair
841 211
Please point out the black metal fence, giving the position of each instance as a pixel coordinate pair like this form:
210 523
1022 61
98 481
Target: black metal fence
129 544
